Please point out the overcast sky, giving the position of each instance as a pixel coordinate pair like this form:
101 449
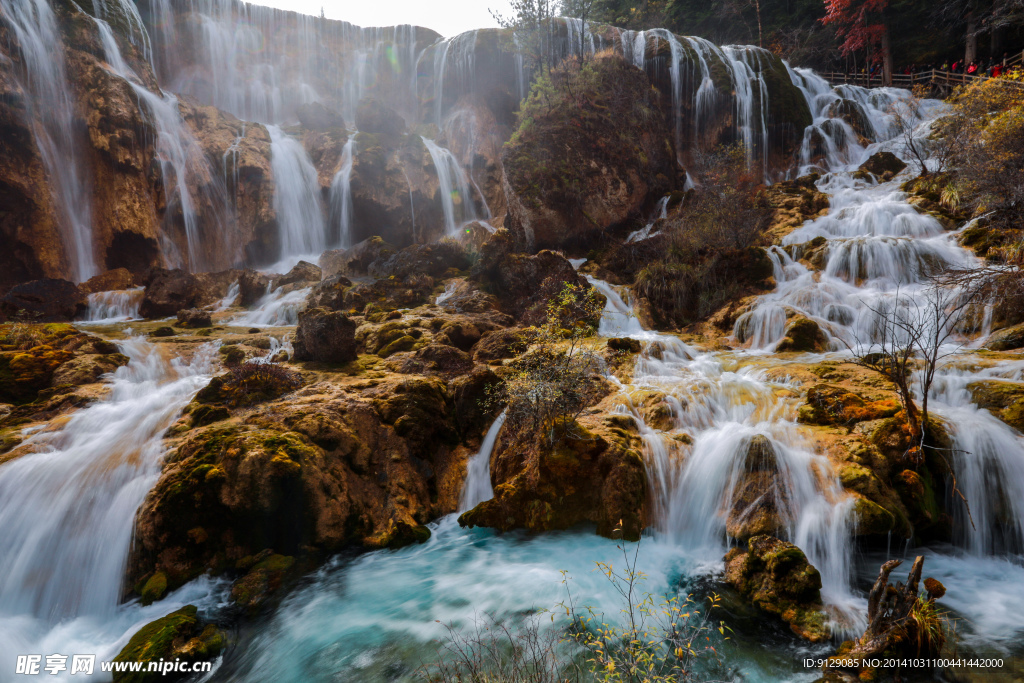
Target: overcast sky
447 17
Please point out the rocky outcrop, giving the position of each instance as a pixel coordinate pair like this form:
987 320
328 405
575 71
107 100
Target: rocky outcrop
178 637
523 284
563 188
1006 339
325 336
170 291
803 334
43 301
883 164
596 475
776 576
1005 400
759 502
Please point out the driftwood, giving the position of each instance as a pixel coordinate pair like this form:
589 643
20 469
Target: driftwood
891 622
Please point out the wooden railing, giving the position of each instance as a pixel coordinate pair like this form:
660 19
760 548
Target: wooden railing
935 77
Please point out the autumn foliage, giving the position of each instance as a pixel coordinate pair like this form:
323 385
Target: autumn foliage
857 23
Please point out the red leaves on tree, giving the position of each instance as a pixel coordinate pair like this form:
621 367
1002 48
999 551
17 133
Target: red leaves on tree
858 22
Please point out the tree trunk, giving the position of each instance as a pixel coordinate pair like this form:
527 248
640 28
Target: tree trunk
971 53
886 55
760 35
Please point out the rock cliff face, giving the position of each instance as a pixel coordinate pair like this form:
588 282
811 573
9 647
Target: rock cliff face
186 179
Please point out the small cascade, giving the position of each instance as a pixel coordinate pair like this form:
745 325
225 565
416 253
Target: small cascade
989 463
618 318
118 305
696 482
277 308
49 99
67 509
230 163
477 488
341 194
124 13
448 293
296 198
456 197
645 233
234 289
751 95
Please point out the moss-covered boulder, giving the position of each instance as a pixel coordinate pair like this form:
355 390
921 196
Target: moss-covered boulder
832 405
776 576
595 475
881 163
265 574
1005 400
1006 339
303 477
759 503
803 334
325 336
179 636
579 165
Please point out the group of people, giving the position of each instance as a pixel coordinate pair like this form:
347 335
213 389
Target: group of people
991 69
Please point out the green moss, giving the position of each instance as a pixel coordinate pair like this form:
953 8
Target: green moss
171 637
403 343
154 589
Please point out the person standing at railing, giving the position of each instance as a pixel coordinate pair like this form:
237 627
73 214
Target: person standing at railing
945 66
997 70
972 68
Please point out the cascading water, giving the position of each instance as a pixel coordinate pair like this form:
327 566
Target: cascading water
296 200
456 198
477 488
67 510
114 306
277 308
181 158
50 100
341 194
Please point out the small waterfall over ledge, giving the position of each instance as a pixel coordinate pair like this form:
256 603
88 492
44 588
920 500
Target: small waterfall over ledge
478 488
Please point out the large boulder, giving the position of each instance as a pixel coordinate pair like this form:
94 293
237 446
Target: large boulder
325 336
776 576
881 163
579 166
316 116
49 300
1005 400
170 291
597 476
303 274
1006 339
803 335
119 278
355 260
373 116
759 502
329 293
522 283
305 476
178 637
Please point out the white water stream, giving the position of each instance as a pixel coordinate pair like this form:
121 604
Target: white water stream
67 511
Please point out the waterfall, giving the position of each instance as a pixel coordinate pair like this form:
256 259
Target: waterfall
341 194
645 233
277 308
456 198
296 198
234 289
477 488
50 100
455 60
618 318
67 508
448 293
180 156
114 306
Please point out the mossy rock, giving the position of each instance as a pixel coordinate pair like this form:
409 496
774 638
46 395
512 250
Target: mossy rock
164 331
403 343
872 519
177 636
624 345
203 415
154 589
266 574
1006 339
1005 400
803 335
231 354
881 163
